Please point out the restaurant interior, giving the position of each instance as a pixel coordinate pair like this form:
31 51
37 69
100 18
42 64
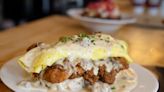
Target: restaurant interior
140 23
13 13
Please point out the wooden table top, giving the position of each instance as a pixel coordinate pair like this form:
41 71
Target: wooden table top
146 45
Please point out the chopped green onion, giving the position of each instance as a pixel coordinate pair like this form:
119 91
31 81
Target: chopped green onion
113 88
65 39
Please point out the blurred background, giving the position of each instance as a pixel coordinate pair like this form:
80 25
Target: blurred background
17 12
147 44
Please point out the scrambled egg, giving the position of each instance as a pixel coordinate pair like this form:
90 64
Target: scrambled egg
89 47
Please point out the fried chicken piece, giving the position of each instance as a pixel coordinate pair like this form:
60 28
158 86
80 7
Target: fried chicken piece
33 46
109 77
105 76
80 71
90 77
124 63
101 70
36 75
55 74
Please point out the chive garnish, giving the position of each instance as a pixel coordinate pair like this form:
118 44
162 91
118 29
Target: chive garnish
65 39
113 88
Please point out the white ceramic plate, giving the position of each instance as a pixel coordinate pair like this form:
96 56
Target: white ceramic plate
98 24
11 73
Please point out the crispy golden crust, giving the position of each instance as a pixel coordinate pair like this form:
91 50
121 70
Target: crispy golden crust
105 76
124 64
79 72
90 77
55 74
101 70
109 77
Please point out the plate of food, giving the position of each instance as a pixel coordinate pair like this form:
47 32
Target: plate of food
104 16
78 63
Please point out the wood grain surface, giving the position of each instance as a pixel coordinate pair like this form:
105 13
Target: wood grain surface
146 45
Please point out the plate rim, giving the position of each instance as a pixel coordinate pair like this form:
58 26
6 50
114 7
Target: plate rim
74 13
